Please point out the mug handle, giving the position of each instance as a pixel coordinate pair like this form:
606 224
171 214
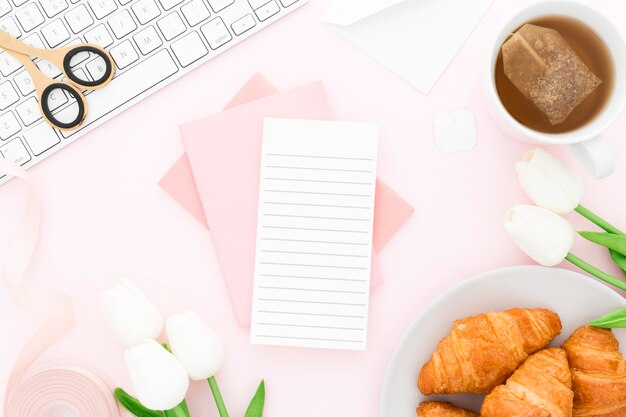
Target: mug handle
596 156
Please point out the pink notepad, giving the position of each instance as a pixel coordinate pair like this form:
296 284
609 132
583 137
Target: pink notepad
225 155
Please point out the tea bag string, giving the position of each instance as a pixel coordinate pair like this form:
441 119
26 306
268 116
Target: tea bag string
531 51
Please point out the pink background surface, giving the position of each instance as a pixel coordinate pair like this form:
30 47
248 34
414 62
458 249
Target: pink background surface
105 215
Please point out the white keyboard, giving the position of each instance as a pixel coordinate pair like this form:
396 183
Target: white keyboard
153 42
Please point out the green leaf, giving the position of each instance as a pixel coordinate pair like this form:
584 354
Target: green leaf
133 405
166 347
255 409
609 240
614 320
619 259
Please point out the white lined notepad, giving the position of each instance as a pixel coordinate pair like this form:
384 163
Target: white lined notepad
314 234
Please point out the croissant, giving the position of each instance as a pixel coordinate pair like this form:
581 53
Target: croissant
483 350
598 373
541 387
442 409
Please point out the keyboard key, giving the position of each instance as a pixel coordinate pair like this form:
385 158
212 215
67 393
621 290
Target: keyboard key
96 68
146 10
10 27
189 49
219 5
53 7
8 64
124 54
48 68
29 17
56 99
78 18
148 40
171 26
29 111
5 7
8 95
195 12
245 23
9 125
127 86
124 2
267 11
287 3
102 8
216 33
55 33
99 35
15 151
24 82
255 4
122 24
19 2
40 138
169 4
34 40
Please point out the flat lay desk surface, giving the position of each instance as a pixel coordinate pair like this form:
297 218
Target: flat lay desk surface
105 215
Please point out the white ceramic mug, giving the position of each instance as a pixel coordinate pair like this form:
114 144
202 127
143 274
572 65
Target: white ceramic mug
586 142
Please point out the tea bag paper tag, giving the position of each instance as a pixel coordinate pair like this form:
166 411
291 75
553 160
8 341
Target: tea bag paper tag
455 131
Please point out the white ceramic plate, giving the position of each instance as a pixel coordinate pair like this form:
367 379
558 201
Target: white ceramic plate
575 297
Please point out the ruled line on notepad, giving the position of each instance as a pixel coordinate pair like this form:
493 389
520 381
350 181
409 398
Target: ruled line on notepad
313 229
324 181
312 326
313 266
317 193
315 205
280 300
314 253
320 156
298 313
314 217
309 277
315 241
362 171
311 290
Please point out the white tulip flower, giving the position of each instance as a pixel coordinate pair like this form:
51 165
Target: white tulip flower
159 379
129 313
549 183
542 234
195 345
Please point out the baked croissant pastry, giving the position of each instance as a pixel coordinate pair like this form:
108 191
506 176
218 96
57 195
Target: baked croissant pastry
482 351
442 409
598 373
541 387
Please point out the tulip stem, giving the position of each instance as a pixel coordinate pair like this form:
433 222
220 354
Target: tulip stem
597 220
596 272
180 410
219 401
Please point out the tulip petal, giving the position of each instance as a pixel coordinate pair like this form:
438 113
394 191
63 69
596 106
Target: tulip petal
159 379
549 183
130 315
195 345
542 234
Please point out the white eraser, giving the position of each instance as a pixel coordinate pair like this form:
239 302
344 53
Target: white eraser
455 131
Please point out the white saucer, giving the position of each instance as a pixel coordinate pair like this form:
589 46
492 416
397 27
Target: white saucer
575 297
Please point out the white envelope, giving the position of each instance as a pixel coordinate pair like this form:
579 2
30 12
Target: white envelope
416 39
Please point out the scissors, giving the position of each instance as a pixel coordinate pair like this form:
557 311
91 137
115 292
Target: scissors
61 58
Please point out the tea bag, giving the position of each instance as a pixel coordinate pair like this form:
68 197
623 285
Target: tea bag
542 65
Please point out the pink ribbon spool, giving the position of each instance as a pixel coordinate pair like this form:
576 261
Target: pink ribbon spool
60 391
